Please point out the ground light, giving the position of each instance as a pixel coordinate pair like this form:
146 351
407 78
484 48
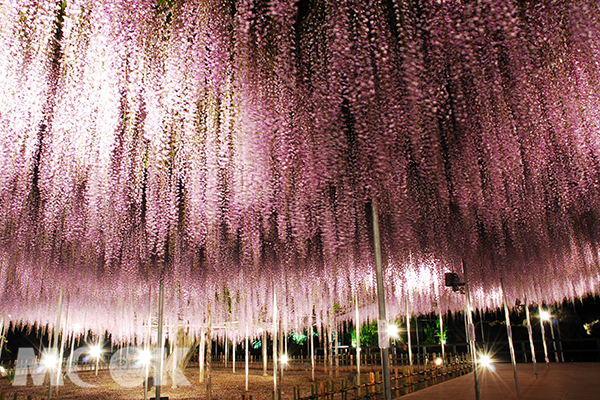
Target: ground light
95 352
393 331
544 315
438 361
284 359
49 360
485 361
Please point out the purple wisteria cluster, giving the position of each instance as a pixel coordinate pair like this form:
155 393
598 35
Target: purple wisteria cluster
233 149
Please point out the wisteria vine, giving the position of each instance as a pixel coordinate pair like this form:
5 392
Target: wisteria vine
233 150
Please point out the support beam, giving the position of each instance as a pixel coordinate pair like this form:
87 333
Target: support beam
159 339
471 331
530 332
511 345
384 342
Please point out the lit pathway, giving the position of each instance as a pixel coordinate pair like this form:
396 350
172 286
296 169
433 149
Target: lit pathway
569 381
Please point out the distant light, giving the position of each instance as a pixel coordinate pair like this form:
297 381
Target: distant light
393 331
438 361
545 316
49 360
2 370
485 360
95 351
144 356
284 359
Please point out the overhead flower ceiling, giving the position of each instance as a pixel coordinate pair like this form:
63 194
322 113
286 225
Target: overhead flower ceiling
234 149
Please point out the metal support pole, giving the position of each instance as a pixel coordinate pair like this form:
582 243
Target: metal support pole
560 347
544 337
148 340
201 357
530 332
226 346
159 340
471 331
264 351
443 342
233 348
71 353
384 341
312 352
357 324
1 336
410 354
553 340
275 326
246 349
510 338
55 344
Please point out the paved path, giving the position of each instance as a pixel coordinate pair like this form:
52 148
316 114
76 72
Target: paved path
563 381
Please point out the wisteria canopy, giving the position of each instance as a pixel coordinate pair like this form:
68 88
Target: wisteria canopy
234 149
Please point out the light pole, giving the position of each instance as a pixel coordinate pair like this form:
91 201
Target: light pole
545 316
95 352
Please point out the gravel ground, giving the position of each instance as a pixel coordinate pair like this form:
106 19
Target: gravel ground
225 385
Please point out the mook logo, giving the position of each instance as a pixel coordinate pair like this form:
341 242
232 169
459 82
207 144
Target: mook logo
128 367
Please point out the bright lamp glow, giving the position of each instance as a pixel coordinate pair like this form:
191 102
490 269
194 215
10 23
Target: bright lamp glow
49 360
284 359
393 331
144 356
438 361
545 316
95 351
485 360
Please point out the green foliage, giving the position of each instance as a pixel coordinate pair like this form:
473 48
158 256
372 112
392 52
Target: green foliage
432 332
256 344
299 338
368 335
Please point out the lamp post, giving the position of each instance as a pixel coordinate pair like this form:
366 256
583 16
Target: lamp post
544 315
382 321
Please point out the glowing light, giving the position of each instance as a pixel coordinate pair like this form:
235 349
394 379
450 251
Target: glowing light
438 361
76 328
545 316
95 351
393 331
49 360
485 360
144 356
2 370
284 359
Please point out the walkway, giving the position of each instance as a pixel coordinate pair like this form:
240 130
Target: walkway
569 381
